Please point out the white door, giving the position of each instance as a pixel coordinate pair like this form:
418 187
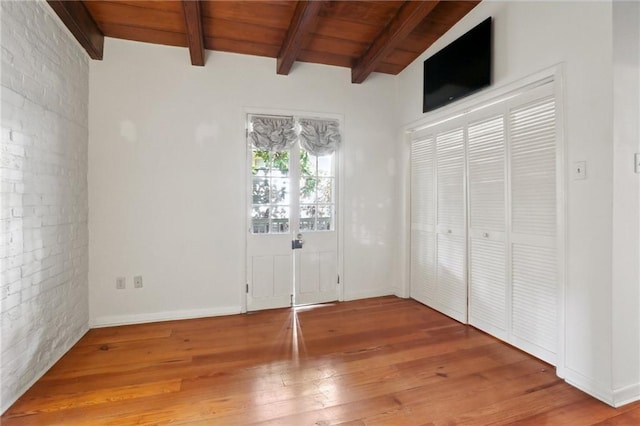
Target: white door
451 239
438 220
316 262
534 225
292 243
423 219
488 291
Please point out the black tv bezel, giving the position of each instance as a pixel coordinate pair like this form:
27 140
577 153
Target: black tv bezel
453 46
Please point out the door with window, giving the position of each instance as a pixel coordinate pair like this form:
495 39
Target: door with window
292 243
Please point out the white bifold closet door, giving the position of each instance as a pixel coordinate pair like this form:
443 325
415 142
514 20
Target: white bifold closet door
423 220
534 254
438 221
484 222
488 288
451 239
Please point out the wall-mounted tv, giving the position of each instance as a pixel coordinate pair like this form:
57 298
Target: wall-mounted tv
460 69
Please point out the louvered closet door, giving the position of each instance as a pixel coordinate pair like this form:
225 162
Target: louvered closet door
423 271
487 225
533 227
451 291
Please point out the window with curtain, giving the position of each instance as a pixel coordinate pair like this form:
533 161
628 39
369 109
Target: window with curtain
285 148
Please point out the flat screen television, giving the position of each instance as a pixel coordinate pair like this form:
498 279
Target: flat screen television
460 69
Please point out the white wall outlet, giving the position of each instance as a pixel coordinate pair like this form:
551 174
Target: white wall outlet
137 281
579 170
121 283
636 162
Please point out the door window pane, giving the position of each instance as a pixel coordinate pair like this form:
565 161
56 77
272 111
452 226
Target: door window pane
317 192
280 220
324 193
280 191
261 191
307 217
270 192
325 165
260 220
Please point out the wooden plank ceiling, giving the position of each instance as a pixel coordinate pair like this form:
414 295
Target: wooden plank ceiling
365 36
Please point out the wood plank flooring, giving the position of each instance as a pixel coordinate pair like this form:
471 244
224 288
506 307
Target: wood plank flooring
382 361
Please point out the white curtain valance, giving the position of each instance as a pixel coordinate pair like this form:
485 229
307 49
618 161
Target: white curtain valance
319 137
273 133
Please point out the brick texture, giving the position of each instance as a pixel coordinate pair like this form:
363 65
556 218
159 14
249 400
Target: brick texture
43 209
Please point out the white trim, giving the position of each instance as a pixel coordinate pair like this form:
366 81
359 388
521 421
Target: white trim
113 320
626 395
562 218
594 388
614 397
404 289
245 223
369 294
339 157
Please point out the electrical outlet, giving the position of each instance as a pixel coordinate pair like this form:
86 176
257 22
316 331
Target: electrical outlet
137 281
121 283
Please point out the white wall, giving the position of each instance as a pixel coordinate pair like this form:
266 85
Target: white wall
167 159
44 289
530 37
626 200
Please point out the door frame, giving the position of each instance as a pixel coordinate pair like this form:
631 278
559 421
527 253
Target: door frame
339 213
486 99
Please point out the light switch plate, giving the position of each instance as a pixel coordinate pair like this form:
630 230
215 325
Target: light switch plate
121 283
579 170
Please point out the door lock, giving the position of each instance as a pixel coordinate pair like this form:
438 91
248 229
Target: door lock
297 243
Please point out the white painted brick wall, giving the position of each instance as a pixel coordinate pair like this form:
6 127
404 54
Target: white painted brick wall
43 208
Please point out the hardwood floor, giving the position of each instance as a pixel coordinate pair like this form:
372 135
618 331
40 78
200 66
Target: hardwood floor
382 361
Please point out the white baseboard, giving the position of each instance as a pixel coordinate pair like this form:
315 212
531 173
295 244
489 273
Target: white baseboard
614 397
369 294
626 395
596 389
113 320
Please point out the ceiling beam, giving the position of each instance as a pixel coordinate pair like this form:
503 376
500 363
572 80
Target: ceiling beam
406 20
302 23
195 36
78 20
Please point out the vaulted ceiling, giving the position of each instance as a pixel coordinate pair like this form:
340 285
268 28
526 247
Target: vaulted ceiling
365 36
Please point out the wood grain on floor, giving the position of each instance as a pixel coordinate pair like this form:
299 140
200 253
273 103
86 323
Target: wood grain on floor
381 361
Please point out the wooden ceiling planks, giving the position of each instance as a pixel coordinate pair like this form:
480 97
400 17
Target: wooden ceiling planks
366 36
272 14
138 15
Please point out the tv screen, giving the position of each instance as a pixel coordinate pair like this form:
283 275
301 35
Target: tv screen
460 69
